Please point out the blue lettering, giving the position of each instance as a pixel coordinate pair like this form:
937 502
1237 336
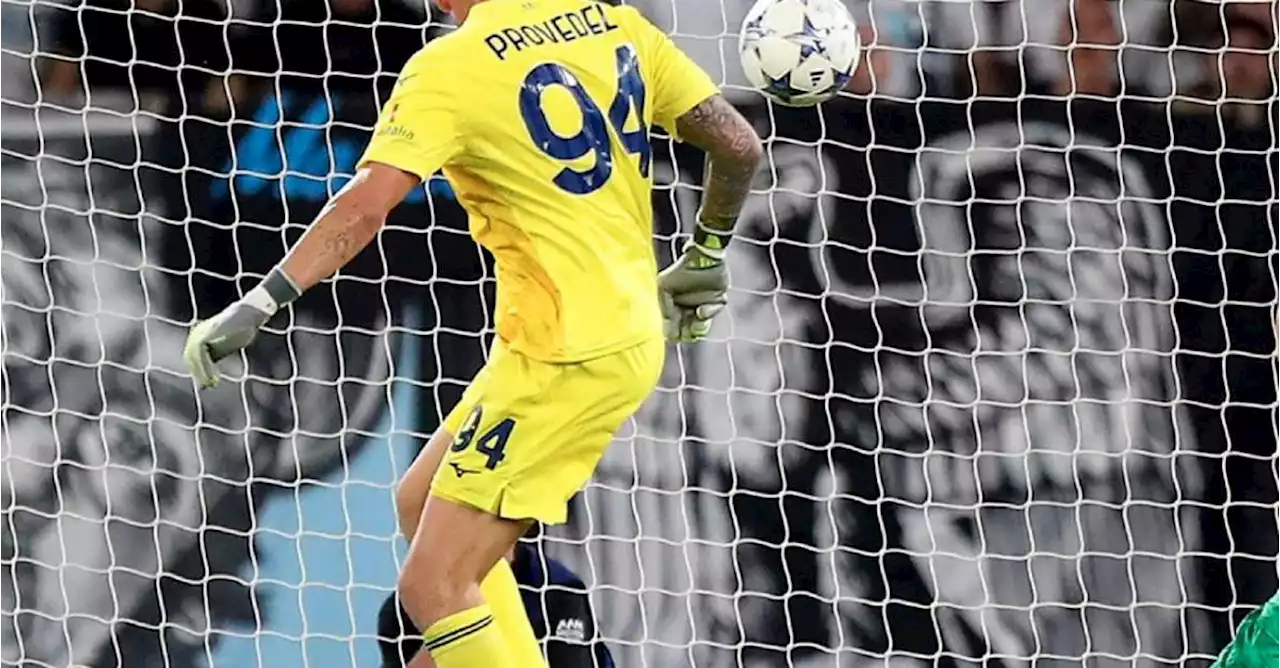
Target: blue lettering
256 153
306 160
303 162
345 155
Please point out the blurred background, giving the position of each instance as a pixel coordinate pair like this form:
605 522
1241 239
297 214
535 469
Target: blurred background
997 385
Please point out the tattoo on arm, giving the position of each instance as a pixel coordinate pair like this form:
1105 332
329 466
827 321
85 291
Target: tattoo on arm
346 224
733 153
338 242
337 236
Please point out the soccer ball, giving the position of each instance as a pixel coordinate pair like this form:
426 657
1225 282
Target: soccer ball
799 52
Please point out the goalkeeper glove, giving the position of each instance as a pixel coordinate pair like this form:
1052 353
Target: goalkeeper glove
695 287
235 327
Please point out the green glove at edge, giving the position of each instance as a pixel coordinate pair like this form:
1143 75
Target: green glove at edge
694 289
235 327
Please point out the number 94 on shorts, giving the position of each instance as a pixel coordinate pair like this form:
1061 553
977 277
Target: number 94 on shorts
528 434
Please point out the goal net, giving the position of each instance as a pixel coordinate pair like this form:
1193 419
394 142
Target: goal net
996 385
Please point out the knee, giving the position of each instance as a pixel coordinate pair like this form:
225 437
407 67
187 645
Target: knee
429 592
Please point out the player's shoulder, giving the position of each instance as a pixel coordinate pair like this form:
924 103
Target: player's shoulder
438 58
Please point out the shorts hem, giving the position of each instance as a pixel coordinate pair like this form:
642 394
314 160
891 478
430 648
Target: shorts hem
501 504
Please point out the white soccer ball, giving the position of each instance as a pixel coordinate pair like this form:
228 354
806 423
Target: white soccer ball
799 52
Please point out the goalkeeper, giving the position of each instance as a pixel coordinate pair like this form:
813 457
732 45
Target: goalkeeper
556 602
539 112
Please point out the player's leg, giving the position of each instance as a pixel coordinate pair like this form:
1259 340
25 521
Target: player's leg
531 438
501 591
454 549
400 639
411 492
499 588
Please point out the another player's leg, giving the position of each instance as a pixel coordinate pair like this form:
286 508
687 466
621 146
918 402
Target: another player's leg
499 588
453 551
398 636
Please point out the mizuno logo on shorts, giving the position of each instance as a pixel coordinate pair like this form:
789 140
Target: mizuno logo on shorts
459 471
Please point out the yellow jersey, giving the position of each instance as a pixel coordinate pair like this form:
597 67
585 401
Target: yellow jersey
539 112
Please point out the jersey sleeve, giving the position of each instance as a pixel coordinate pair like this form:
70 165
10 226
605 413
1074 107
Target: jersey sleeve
419 129
676 83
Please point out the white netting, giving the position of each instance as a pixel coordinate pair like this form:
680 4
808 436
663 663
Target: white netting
996 384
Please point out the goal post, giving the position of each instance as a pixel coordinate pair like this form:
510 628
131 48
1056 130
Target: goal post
996 384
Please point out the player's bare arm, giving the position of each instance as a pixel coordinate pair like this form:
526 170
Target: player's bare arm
733 154
347 224
695 287
344 227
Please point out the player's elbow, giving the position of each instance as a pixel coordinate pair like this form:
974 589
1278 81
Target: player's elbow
740 158
752 151
363 219
373 192
717 128
743 146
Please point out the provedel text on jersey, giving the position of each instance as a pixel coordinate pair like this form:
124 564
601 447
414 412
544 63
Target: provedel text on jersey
567 27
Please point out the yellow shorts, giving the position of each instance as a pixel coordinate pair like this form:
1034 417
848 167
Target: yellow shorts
528 434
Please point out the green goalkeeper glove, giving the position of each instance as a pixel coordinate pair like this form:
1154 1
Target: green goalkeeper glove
695 287
1257 641
233 329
